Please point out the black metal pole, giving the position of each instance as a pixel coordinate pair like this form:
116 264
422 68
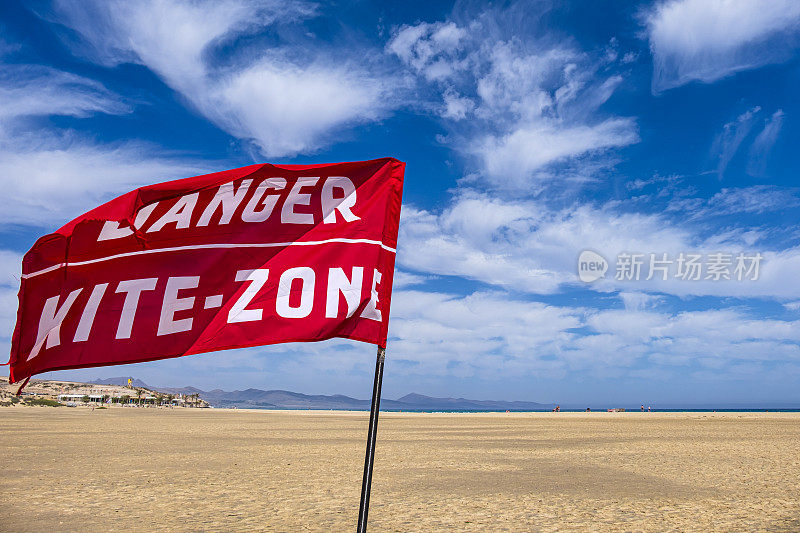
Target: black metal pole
369 459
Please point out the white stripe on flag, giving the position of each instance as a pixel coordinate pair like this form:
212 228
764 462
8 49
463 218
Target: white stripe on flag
210 246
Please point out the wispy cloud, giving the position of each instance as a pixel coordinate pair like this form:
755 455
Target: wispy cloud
730 138
496 334
526 246
431 49
484 332
706 40
35 90
402 279
734 201
762 146
49 176
513 157
523 245
638 301
517 103
286 101
755 199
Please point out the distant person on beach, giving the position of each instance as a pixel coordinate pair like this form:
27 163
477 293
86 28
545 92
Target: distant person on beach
643 408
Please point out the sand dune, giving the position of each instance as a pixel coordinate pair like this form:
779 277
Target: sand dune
214 470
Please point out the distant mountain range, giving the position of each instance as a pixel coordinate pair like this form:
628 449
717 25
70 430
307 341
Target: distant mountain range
122 382
281 399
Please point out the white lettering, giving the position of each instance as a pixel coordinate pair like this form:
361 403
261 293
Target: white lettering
132 288
89 312
282 304
50 322
330 204
371 311
350 289
179 214
228 199
114 230
257 279
288 214
172 304
250 214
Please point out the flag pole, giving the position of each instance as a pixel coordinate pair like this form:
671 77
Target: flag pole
371 434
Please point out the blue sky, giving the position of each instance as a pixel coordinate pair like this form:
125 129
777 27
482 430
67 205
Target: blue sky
532 131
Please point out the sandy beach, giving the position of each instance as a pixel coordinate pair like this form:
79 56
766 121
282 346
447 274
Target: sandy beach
215 470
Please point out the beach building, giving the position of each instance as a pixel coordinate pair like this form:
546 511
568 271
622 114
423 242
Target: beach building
81 398
100 397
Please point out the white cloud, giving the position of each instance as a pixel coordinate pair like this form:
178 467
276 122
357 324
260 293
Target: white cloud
733 133
402 279
756 199
525 83
524 246
48 179
496 335
706 40
762 145
638 301
429 48
510 159
286 109
168 36
449 334
532 100
456 107
712 338
283 103
34 90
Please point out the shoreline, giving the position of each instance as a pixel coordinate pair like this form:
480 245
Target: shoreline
393 413
540 415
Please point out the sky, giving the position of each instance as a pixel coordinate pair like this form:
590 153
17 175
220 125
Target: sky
601 202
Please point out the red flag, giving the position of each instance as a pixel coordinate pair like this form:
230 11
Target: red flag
257 255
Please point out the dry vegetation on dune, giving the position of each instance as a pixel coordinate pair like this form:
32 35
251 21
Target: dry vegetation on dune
182 470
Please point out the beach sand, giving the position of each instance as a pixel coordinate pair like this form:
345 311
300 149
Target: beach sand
71 469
